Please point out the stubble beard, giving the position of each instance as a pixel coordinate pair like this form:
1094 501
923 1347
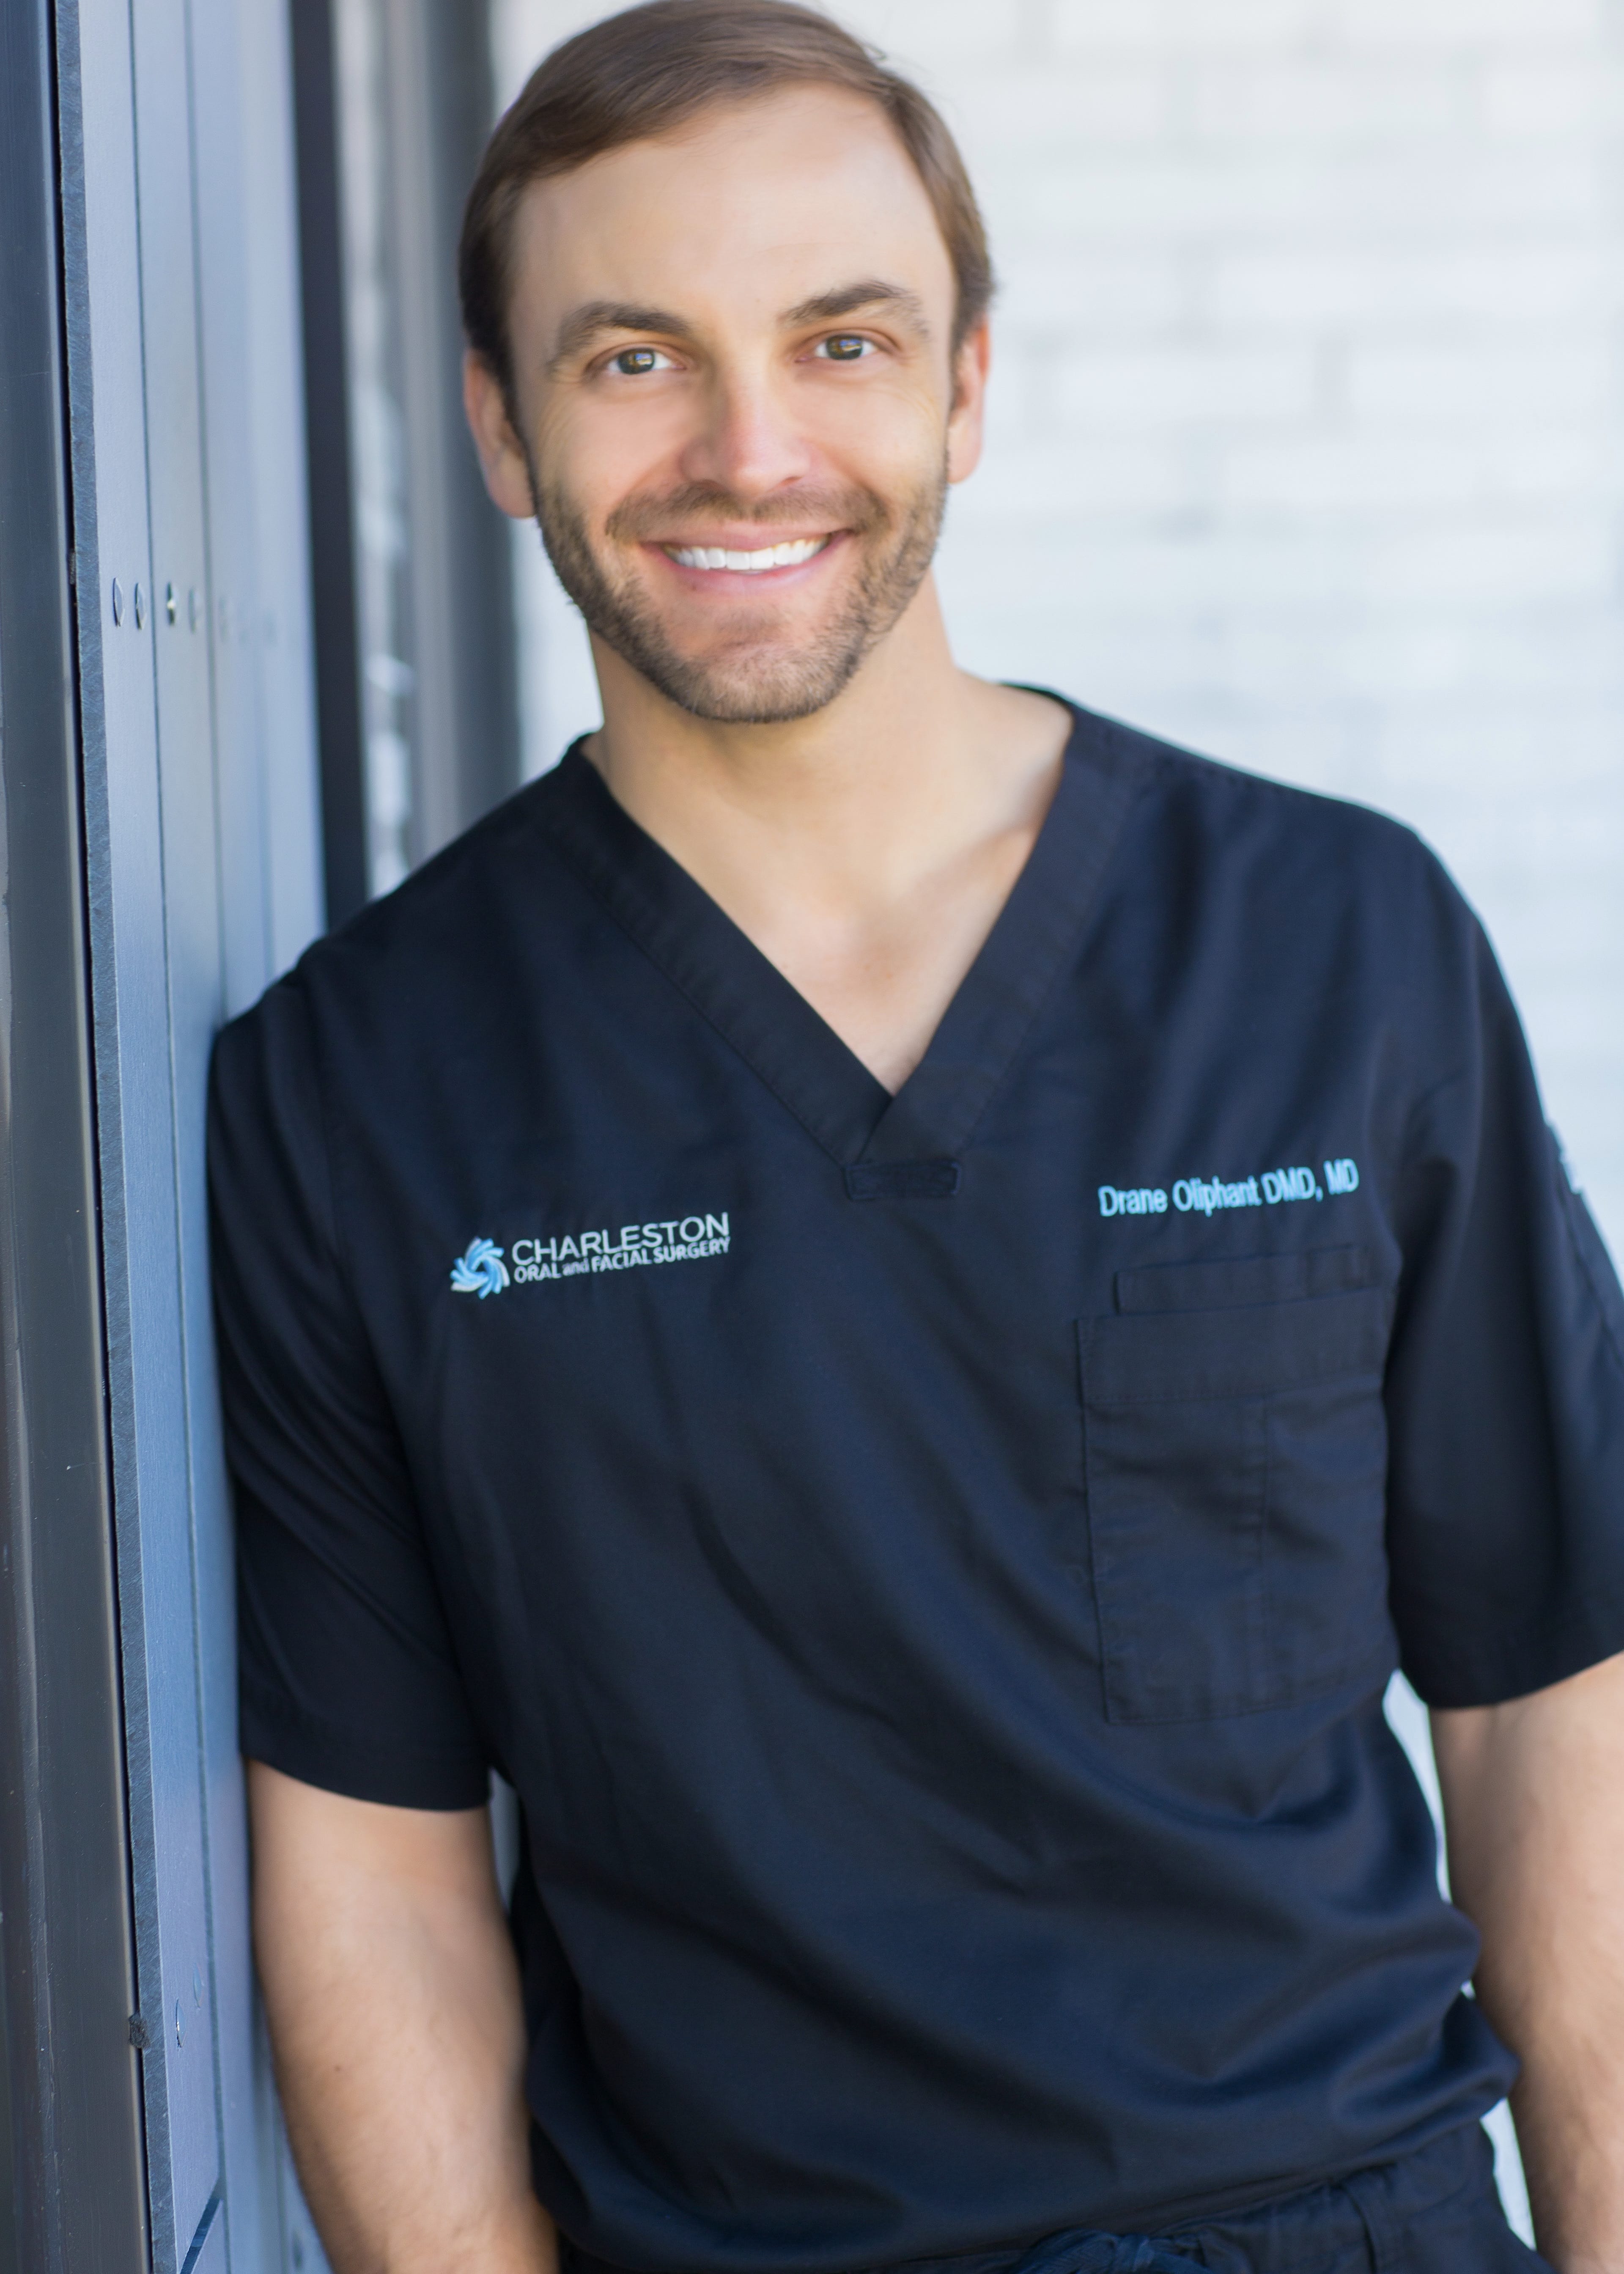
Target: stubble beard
754 680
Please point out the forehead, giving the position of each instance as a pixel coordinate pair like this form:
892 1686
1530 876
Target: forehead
750 207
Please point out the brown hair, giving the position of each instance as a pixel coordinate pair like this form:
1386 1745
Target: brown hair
649 70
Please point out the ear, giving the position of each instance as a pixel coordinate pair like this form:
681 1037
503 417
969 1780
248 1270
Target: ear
967 418
502 455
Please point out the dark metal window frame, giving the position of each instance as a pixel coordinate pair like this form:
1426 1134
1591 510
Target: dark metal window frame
326 430
72 2192
461 717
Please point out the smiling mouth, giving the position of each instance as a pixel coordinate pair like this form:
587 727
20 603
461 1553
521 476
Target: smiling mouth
748 564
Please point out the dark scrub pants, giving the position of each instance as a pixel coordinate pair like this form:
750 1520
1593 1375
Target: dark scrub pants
931 1566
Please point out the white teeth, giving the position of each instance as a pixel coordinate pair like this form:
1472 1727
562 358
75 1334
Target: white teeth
748 564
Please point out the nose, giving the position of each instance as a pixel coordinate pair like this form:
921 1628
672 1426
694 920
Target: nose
748 444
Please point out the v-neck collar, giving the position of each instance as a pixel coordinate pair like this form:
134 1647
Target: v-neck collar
773 1027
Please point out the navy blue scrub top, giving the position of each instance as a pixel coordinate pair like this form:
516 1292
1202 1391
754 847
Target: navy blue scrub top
930 1565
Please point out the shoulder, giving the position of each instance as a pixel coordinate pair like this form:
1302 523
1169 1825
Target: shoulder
1215 833
452 911
1218 803
413 969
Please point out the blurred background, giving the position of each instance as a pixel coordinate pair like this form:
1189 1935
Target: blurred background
1307 430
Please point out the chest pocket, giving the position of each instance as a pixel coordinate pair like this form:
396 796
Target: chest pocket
1236 1470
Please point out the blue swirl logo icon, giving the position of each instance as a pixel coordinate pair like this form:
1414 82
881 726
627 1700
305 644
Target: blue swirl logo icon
481 1271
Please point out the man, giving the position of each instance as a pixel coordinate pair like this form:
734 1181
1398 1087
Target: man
898 1302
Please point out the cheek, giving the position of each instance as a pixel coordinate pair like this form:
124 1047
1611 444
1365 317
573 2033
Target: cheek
600 454
880 427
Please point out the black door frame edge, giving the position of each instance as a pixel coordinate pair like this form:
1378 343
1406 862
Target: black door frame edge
340 732
72 2183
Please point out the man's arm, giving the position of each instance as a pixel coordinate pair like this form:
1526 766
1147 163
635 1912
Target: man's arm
1534 1806
393 2005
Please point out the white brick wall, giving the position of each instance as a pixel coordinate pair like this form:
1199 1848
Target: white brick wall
1307 444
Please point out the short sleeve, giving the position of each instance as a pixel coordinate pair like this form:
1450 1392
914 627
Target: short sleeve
347 1674
1506 1381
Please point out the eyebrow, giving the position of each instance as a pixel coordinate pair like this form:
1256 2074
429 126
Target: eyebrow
584 324
847 299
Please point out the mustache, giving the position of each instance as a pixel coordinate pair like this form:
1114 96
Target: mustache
644 520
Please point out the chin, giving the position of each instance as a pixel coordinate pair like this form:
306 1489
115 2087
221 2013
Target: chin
742 674
761 690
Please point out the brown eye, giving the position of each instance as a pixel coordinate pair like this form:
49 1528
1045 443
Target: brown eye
632 362
846 347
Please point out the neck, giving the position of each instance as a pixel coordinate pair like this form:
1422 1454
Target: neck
866 850
857 801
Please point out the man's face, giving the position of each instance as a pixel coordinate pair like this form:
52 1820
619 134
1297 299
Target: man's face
731 357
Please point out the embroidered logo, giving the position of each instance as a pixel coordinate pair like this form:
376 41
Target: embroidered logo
1207 1194
678 1239
481 1271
